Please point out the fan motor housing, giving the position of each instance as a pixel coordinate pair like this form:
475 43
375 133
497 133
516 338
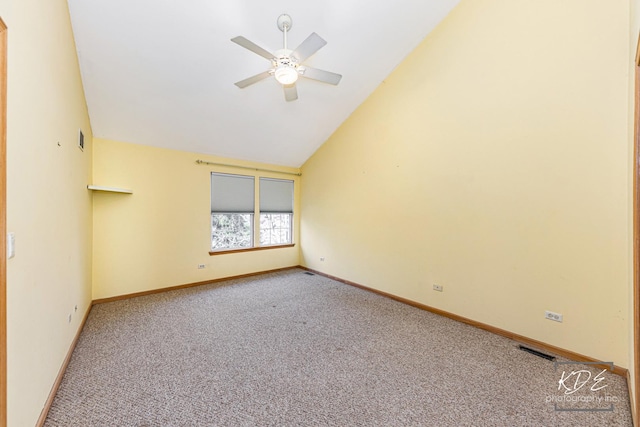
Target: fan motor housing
284 59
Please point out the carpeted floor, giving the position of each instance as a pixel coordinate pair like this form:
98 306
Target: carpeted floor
290 349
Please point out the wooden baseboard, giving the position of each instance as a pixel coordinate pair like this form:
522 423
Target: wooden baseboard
185 286
632 405
547 348
63 368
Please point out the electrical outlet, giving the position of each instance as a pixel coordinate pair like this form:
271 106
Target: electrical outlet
69 317
321 258
556 317
438 288
201 266
75 308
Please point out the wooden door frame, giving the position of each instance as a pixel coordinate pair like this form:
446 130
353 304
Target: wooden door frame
3 224
636 240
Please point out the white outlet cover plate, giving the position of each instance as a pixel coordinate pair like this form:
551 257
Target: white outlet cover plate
11 245
557 317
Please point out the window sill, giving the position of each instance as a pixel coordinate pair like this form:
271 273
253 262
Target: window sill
259 248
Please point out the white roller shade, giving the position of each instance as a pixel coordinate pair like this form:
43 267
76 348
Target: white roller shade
232 193
276 195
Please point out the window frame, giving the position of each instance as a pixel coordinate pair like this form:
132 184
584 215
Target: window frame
255 215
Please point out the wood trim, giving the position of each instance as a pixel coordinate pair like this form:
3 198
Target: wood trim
634 420
3 224
257 248
547 348
63 368
635 398
638 51
185 286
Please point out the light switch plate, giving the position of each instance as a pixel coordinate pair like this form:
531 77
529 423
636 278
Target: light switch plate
11 245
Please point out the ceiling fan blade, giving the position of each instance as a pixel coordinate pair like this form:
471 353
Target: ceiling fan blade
253 47
321 75
290 92
254 79
311 45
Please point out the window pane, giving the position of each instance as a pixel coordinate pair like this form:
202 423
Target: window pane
275 229
231 231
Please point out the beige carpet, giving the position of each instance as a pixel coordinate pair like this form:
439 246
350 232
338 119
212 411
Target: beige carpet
290 349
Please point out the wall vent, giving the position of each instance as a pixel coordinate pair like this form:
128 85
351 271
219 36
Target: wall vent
537 353
81 139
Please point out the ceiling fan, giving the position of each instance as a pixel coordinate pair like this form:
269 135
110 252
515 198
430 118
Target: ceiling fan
286 64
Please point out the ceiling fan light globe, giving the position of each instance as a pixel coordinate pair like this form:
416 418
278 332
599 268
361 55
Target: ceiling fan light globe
286 75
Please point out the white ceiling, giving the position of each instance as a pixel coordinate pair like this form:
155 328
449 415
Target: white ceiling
162 72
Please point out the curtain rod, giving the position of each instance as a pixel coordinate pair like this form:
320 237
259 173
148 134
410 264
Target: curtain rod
202 162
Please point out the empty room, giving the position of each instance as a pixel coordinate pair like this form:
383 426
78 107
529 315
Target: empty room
238 213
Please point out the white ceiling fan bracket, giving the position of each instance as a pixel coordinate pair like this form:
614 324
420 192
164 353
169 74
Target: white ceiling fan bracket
284 20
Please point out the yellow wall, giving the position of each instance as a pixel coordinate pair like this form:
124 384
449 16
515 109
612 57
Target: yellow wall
49 207
494 161
157 236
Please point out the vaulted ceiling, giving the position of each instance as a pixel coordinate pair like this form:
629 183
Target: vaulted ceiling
162 73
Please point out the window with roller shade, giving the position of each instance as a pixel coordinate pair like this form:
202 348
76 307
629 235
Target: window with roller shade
276 211
232 211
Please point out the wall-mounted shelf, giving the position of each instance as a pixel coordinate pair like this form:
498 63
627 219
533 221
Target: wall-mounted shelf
109 189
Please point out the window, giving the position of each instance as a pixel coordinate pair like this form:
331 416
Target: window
276 211
233 211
